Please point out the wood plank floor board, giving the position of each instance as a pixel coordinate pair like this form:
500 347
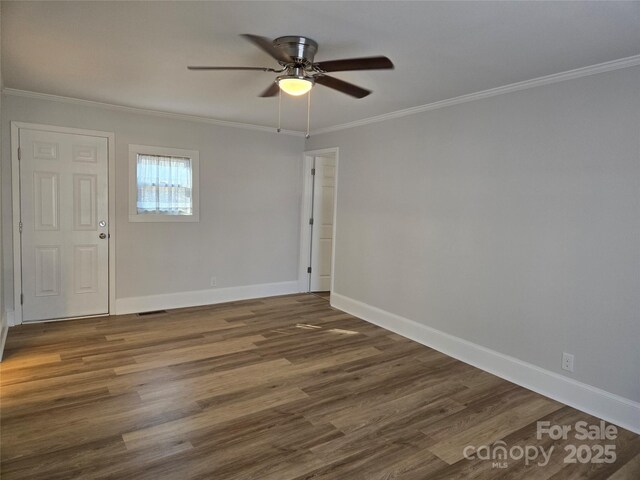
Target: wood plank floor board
283 388
165 378
64 463
63 374
475 413
631 469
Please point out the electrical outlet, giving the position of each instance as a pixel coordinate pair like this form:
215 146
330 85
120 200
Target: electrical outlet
567 361
213 281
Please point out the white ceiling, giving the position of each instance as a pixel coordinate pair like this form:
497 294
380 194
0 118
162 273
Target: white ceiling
135 53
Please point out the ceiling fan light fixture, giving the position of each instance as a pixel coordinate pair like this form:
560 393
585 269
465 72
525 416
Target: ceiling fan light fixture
294 85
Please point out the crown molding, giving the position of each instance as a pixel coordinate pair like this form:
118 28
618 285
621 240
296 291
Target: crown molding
492 92
143 111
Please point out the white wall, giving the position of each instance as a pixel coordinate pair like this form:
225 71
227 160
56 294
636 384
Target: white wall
511 222
249 201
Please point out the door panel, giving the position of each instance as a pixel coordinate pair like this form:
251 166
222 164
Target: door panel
47 200
45 150
85 263
322 234
85 153
47 271
63 202
84 202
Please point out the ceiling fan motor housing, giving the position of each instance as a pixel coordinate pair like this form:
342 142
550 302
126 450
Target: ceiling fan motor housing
301 49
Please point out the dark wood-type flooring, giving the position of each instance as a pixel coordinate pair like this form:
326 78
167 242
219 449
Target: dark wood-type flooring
279 388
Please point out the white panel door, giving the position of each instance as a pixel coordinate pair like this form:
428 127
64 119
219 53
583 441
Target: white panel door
64 212
322 233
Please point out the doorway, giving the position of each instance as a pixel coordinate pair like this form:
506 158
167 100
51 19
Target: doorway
63 250
318 221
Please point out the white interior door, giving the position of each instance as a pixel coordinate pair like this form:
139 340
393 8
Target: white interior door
64 214
322 231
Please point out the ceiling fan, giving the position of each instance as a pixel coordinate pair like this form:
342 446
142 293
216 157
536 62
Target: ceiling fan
300 73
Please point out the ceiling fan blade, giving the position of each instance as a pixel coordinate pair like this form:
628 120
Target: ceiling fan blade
272 91
364 63
267 45
263 69
342 86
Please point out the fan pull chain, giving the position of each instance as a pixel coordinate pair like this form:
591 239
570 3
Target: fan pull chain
279 107
308 113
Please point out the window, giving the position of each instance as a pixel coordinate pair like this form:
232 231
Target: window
163 184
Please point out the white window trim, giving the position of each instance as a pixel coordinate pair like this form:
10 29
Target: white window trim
194 155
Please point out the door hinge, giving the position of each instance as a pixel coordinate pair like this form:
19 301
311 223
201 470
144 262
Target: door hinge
311 221
308 269
19 154
313 171
20 227
21 298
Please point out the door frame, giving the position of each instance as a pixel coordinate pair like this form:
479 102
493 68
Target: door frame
16 208
305 215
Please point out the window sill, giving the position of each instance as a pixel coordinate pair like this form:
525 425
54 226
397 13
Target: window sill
164 218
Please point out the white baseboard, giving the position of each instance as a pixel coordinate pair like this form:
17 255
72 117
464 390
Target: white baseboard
4 330
610 407
11 318
203 297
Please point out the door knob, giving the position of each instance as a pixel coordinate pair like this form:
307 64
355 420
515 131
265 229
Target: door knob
102 236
